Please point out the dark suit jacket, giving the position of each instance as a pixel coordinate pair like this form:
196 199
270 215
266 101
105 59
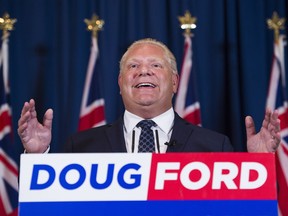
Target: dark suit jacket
186 137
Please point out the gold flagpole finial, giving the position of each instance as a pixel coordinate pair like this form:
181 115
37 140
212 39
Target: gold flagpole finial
6 24
187 22
94 24
276 24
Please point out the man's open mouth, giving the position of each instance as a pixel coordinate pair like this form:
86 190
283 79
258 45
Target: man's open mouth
144 85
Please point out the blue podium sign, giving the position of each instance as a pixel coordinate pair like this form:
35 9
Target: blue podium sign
153 184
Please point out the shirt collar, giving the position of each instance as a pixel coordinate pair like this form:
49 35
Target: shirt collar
163 121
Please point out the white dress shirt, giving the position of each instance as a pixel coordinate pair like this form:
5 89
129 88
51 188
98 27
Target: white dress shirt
164 127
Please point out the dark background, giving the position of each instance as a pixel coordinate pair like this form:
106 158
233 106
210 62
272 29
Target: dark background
50 47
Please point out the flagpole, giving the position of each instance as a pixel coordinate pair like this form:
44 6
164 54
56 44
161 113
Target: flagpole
94 25
276 24
187 23
6 25
191 112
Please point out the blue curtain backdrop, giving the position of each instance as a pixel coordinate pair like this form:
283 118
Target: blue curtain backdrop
232 47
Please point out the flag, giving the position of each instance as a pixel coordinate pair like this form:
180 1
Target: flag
186 103
8 167
277 99
92 107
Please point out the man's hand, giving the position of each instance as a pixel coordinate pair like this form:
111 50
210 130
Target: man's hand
35 137
268 138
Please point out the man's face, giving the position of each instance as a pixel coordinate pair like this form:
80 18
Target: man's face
147 81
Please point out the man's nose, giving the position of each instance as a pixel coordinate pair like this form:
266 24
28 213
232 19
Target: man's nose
145 71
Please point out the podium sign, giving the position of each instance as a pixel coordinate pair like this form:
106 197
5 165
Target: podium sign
148 184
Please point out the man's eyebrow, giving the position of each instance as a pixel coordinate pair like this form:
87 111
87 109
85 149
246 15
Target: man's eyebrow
132 59
150 60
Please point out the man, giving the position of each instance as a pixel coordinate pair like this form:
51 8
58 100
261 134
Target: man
148 79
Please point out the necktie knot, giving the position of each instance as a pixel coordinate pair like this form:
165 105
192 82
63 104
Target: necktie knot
146 124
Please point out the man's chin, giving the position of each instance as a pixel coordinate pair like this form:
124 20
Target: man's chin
146 103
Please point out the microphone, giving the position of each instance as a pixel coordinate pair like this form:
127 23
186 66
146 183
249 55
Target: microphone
171 143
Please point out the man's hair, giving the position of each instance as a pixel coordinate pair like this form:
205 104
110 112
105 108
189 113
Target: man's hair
168 54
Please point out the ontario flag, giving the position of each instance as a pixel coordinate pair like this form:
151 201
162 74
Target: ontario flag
277 99
186 103
8 167
92 107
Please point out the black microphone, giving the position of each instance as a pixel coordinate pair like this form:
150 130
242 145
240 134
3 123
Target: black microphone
171 143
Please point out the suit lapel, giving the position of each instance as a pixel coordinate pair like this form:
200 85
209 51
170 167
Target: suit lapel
115 136
182 130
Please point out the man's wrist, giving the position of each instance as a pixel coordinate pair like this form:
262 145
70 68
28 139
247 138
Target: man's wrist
45 152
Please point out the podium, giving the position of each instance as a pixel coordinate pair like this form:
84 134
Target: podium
147 184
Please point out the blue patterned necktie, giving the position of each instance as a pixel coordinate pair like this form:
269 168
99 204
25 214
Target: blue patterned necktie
146 140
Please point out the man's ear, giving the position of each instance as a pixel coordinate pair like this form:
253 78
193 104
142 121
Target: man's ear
120 82
119 79
175 82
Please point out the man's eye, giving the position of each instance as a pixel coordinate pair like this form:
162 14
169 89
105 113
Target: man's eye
133 66
157 65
